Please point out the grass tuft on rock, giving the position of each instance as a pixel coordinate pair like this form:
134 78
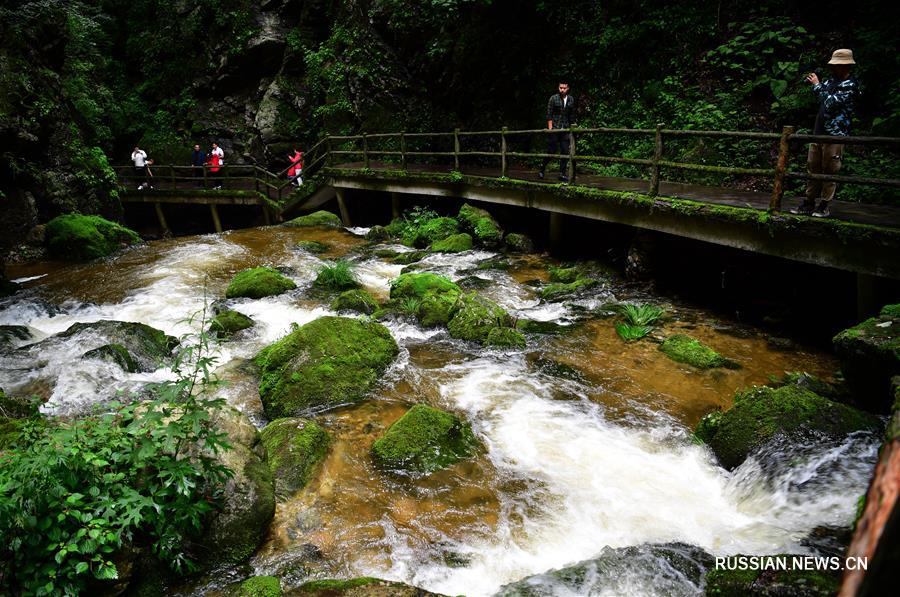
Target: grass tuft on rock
259 282
684 349
336 276
424 440
78 237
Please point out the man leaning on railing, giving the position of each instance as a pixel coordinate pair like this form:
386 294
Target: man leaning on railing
837 102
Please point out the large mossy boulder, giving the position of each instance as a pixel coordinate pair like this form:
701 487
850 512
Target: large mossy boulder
259 282
764 583
317 218
363 586
228 322
357 300
78 237
453 244
481 225
684 349
870 357
235 531
424 440
327 362
134 346
259 586
761 413
476 317
295 447
434 297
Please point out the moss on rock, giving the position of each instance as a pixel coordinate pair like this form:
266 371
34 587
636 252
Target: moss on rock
559 290
564 275
363 586
476 317
437 229
317 218
505 338
328 361
357 300
483 227
259 282
518 243
684 349
260 586
453 244
436 295
762 412
312 246
79 237
115 353
228 322
870 357
377 234
424 440
793 581
295 446
135 346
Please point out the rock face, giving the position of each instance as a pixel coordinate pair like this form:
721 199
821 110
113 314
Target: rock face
228 322
684 349
235 532
424 440
78 237
258 283
295 447
134 346
317 218
329 361
481 225
456 243
357 300
761 413
870 356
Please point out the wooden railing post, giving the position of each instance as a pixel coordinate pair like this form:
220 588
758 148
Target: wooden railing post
456 149
205 170
365 140
403 150
781 168
328 150
503 163
172 176
570 171
657 158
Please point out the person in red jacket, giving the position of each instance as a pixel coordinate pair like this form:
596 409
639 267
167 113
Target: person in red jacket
214 163
296 170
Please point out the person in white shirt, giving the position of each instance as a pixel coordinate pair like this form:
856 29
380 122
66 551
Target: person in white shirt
139 158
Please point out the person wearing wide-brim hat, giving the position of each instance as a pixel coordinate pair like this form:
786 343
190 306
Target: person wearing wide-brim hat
837 102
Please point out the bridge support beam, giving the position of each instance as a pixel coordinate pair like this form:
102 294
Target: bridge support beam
217 223
342 206
556 231
162 219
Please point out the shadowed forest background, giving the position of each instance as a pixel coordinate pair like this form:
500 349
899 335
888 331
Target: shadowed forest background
82 82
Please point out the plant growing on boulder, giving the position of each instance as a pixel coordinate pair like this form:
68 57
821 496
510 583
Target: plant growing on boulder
336 276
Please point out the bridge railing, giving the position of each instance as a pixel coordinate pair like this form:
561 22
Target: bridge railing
360 146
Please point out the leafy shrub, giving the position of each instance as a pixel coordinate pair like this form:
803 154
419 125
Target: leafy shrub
337 276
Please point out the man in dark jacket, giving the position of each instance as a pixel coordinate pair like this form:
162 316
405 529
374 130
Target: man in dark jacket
837 105
198 159
560 115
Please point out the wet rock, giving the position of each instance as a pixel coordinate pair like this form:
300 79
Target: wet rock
816 385
79 237
557 291
793 582
410 257
424 440
672 569
870 356
317 218
356 300
10 334
141 347
312 246
328 361
258 283
431 297
762 413
474 283
7 287
361 587
229 322
476 317
259 586
235 531
532 326
498 262
386 253
294 447
684 349
518 243
456 243
556 368
481 225
829 541
377 234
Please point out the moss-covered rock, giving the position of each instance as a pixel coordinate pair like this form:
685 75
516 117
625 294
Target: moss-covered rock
436 296
532 326
434 230
497 262
295 446
361 587
377 234
312 246
11 334
258 283
759 583
317 218
559 290
684 349
870 356
115 353
235 531
762 412
481 225
135 346
357 300
229 322
424 440
564 275
453 244
505 338
476 317
79 237
259 586
328 361
409 257
518 243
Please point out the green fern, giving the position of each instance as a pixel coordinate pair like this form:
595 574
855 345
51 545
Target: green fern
641 315
630 333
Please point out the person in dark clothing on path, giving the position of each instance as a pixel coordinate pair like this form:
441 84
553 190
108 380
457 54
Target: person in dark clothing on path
560 115
198 160
837 106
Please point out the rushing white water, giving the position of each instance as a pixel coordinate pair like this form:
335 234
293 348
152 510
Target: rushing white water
593 480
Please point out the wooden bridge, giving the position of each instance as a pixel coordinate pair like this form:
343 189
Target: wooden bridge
497 167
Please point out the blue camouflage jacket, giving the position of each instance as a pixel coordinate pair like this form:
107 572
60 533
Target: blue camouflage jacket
837 106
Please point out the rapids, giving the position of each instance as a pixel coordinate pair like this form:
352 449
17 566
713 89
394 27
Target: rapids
587 441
